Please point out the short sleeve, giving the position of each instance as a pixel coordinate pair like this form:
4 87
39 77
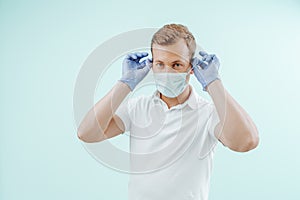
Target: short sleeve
210 141
213 121
123 111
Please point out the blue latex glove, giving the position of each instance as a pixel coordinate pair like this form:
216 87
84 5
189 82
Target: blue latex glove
206 68
133 71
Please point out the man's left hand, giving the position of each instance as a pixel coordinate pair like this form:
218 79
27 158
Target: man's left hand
206 68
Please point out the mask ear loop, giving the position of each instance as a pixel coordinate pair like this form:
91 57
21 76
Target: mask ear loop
190 69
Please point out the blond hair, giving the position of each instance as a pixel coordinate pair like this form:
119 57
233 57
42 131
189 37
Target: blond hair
171 33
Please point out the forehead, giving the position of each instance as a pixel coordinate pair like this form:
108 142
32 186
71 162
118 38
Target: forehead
169 53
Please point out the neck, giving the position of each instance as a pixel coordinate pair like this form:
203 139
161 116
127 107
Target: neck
177 100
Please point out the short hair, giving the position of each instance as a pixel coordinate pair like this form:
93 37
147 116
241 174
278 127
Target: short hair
171 33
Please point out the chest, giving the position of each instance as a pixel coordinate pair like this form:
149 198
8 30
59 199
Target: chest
156 129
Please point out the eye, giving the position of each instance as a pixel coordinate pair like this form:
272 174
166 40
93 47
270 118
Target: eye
159 65
177 65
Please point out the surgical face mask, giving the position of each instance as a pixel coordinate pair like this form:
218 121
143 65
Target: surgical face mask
171 84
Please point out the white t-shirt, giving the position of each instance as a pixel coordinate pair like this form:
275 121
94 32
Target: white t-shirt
171 150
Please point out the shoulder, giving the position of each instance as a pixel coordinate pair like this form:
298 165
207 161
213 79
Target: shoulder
203 102
139 101
204 106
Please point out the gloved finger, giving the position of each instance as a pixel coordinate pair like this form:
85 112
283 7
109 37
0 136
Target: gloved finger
140 55
215 58
216 62
131 56
208 58
144 54
198 62
128 57
145 67
203 53
203 65
195 61
142 64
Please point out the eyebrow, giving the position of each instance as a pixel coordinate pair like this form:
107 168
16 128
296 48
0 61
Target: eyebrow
172 62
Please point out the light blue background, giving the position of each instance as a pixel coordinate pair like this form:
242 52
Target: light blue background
43 45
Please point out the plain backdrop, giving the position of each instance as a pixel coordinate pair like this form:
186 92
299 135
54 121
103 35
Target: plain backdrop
43 45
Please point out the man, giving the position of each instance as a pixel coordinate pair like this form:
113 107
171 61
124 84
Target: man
174 131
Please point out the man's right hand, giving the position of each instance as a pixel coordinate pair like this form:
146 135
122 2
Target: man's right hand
134 71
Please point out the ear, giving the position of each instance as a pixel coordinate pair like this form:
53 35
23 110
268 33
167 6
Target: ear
192 71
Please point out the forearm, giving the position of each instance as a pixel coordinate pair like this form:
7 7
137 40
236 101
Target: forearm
238 130
97 119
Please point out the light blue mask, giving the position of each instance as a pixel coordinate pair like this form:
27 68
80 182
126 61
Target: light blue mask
171 84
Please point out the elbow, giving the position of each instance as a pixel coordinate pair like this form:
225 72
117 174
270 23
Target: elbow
250 144
84 137
81 136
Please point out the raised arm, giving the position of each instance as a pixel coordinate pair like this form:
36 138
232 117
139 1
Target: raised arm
236 130
100 122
